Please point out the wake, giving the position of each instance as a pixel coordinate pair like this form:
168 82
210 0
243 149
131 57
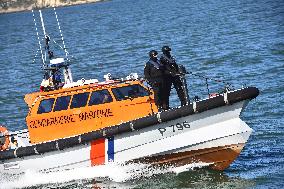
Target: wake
113 171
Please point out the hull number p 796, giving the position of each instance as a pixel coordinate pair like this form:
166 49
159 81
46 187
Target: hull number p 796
175 127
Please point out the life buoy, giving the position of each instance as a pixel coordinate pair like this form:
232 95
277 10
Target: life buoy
5 132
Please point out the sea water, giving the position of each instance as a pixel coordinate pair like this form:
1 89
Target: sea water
240 42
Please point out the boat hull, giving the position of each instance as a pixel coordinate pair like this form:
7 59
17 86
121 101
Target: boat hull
217 158
216 137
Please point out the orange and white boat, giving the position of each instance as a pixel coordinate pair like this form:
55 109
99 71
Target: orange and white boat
91 122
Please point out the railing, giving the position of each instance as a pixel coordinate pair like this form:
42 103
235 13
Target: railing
199 87
225 86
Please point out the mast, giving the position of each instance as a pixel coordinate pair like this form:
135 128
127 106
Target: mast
67 71
39 43
44 33
55 64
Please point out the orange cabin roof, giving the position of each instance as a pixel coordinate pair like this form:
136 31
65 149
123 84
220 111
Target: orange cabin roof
31 97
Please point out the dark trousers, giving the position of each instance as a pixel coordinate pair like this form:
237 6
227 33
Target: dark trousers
158 86
181 88
167 91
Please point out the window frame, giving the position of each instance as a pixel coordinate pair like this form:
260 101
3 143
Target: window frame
87 100
113 90
46 99
71 97
96 91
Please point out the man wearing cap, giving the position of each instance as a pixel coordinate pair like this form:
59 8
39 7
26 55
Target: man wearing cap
154 72
174 76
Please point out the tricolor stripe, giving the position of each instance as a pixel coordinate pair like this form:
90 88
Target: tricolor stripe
97 153
102 150
110 152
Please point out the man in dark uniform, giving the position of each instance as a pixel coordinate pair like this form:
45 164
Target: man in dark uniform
154 72
174 76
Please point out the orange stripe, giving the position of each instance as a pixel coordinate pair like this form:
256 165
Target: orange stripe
97 153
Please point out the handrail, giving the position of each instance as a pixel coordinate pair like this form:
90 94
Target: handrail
228 86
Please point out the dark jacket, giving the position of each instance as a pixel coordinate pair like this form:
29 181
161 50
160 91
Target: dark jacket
154 70
171 67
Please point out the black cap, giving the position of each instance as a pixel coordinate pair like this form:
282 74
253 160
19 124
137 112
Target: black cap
153 53
166 49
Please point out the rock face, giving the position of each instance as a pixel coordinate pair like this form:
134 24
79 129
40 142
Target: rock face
22 5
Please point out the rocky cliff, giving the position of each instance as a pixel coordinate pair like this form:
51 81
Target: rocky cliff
22 5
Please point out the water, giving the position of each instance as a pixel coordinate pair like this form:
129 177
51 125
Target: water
241 42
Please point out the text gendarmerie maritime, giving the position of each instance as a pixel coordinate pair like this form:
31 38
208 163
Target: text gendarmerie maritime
65 119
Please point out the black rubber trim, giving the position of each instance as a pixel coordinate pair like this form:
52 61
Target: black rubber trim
201 106
210 103
7 154
87 137
46 147
25 151
110 131
145 122
124 127
186 110
68 142
243 94
176 113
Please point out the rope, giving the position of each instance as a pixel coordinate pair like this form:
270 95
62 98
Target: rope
58 45
36 55
42 57
208 78
64 47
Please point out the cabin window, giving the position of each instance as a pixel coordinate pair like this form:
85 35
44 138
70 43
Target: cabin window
100 97
62 103
45 106
129 92
79 100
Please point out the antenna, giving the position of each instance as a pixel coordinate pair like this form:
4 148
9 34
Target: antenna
44 33
61 34
42 23
39 43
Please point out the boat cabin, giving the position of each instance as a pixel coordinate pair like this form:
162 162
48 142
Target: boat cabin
72 111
